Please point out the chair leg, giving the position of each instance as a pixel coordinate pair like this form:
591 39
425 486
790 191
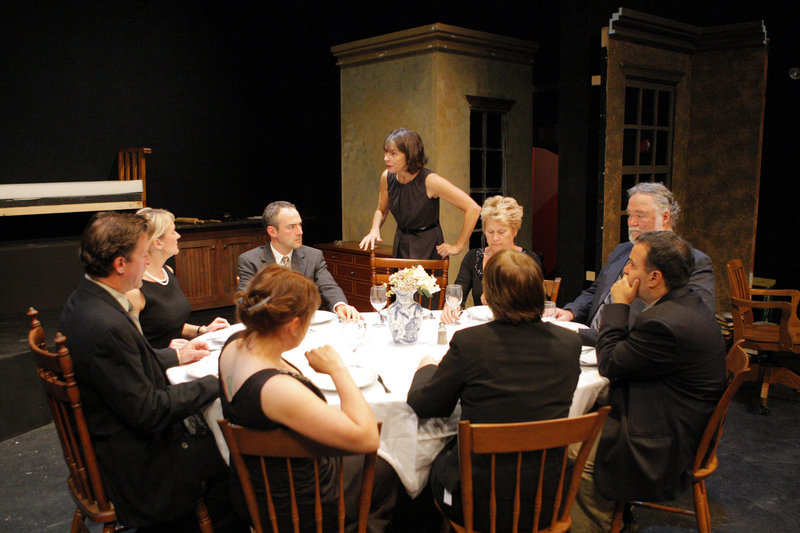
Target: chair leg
702 513
203 520
616 522
78 522
766 379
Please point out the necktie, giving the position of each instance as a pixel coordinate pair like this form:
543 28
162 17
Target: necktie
285 261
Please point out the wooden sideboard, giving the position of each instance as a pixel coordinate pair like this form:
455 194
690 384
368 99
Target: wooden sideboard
349 266
206 266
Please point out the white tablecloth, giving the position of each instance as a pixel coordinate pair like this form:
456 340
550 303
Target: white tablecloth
408 444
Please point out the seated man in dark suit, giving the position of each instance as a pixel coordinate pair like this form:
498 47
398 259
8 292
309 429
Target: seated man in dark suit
667 374
651 207
153 467
285 230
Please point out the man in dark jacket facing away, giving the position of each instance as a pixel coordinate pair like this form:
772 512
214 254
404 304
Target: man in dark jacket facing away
667 373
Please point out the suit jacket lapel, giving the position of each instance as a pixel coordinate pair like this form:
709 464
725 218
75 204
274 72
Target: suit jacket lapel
267 258
298 260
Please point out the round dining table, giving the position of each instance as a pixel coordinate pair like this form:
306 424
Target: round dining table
384 370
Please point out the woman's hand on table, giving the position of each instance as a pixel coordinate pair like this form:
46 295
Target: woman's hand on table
324 359
189 351
217 324
427 360
449 315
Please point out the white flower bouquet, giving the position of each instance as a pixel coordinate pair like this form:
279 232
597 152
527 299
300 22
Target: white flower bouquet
413 279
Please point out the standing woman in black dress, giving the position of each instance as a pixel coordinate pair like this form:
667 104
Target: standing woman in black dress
163 309
411 192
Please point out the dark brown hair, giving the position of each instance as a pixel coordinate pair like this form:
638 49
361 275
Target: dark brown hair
107 236
514 287
410 143
670 255
274 297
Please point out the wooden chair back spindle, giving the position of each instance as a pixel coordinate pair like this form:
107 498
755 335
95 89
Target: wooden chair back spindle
546 436
383 267
289 445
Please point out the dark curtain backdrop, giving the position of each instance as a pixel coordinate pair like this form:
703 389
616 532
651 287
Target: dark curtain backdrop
240 100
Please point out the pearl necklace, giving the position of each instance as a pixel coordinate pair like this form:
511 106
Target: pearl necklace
153 278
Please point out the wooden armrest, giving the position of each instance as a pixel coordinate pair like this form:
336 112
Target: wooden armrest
794 294
787 318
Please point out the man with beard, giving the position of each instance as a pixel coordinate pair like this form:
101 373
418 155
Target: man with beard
651 207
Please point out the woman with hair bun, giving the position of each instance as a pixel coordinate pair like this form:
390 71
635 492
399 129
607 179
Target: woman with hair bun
412 193
262 390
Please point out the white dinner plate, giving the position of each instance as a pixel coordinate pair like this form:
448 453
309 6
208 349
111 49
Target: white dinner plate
481 313
363 377
588 356
320 317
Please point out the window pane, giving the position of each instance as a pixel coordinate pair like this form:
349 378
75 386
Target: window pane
646 147
661 178
648 109
479 198
629 147
494 132
476 169
494 170
475 129
631 105
664 108
662 147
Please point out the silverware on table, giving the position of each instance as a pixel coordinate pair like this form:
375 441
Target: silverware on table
380 380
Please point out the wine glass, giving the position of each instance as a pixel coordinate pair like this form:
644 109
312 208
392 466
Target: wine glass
453 295
377 297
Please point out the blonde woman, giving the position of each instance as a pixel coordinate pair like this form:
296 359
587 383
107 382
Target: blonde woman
501 218
163 309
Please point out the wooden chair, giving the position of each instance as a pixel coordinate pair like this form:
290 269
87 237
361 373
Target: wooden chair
131 166
85 483
283 443
764 336
383 267
551 288
705 460
518 438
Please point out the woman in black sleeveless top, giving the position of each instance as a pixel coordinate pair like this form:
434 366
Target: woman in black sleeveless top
411 192
163 309
260 389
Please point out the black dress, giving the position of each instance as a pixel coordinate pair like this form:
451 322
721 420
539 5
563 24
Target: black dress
417 216
244 409
165 312
470 275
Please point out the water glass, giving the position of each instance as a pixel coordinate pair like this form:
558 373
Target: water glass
378 299
453 295
549 309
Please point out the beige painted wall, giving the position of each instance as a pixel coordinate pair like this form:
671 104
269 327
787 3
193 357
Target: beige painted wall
425 90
